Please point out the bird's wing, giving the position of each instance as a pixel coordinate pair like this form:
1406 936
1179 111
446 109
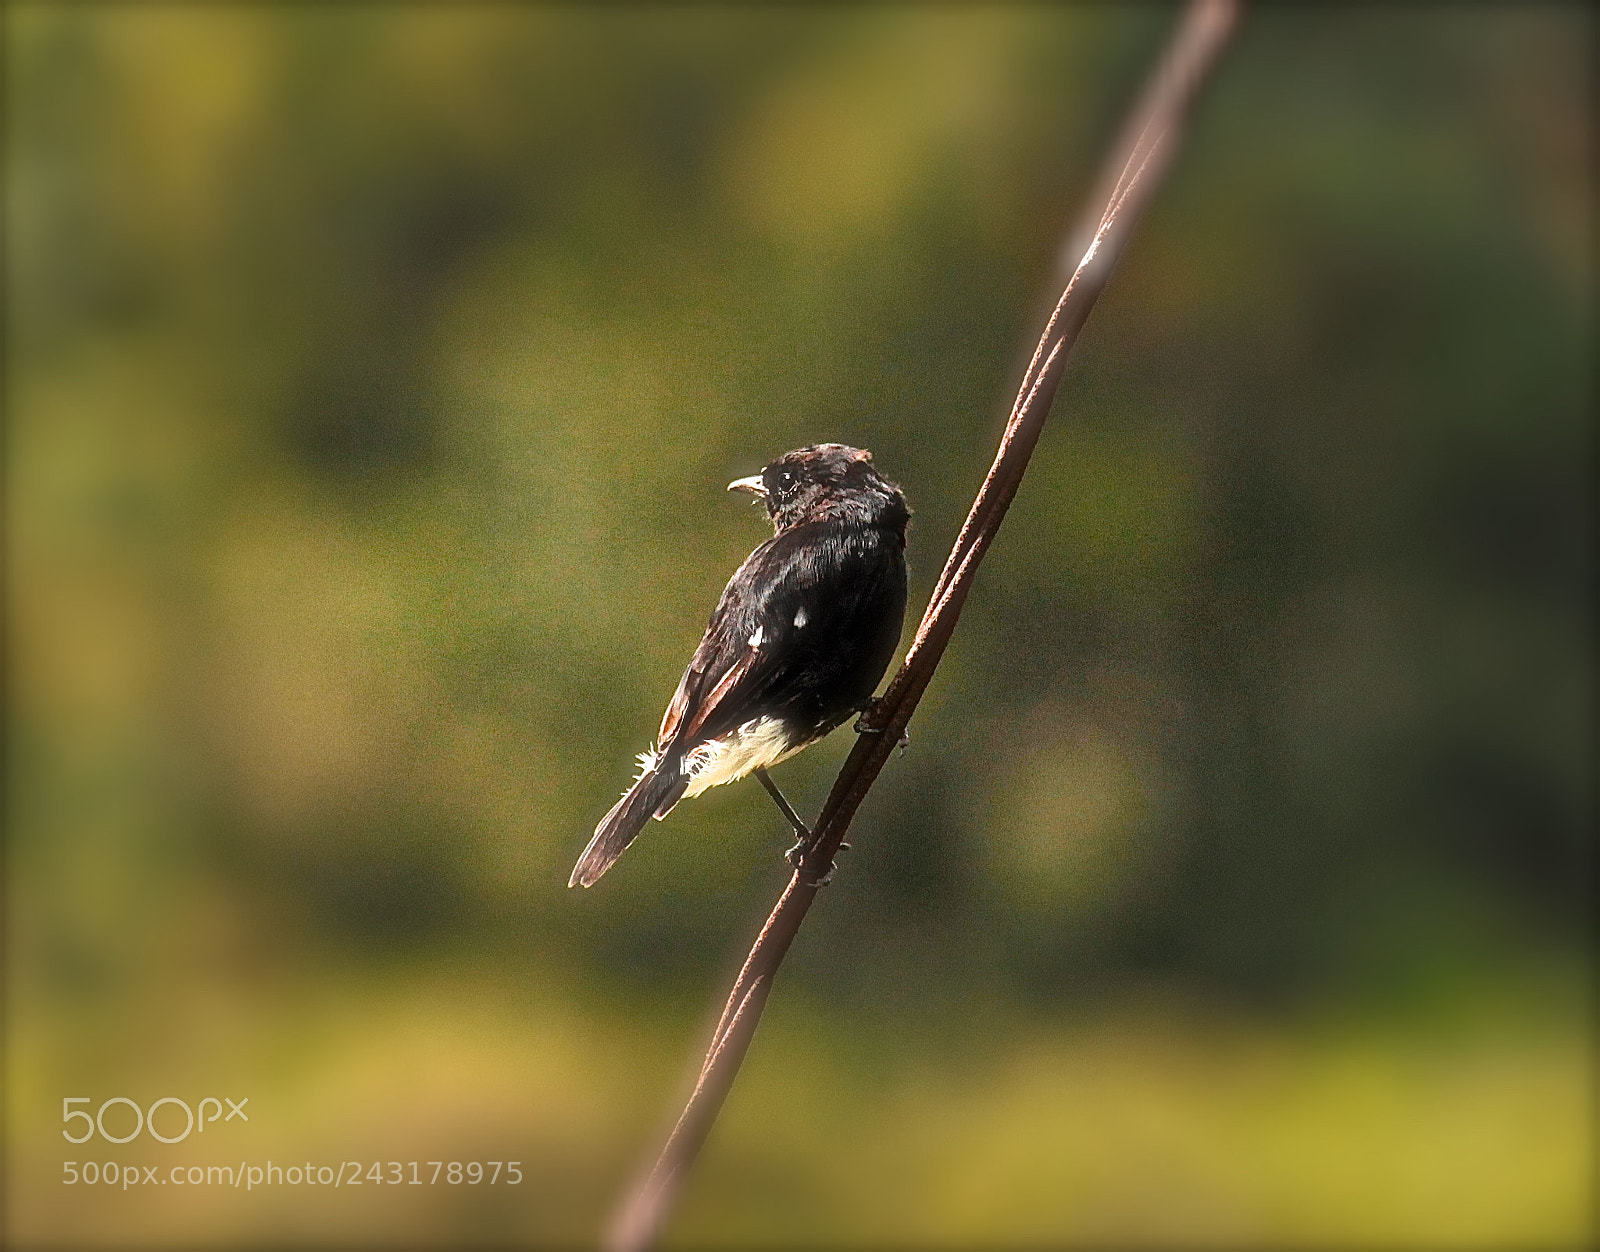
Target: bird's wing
743 661
717 668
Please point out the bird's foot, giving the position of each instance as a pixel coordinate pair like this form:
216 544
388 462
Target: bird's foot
869 715
797 853
796 856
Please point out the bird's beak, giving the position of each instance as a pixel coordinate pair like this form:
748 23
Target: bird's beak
753 485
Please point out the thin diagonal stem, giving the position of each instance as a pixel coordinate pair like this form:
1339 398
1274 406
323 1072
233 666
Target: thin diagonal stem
1139 160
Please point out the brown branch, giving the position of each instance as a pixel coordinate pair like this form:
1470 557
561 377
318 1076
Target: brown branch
1140 159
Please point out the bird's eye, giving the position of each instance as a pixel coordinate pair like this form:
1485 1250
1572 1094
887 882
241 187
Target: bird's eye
785 480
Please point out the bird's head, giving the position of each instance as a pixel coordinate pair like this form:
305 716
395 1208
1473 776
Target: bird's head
828 481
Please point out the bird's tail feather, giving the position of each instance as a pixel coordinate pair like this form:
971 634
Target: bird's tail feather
653 795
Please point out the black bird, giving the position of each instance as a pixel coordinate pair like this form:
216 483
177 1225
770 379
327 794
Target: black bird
803 632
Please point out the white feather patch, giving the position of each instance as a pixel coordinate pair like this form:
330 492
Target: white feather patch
800 619
755 639
647 760
760 743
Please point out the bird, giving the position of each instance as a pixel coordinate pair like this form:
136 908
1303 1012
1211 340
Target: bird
798 642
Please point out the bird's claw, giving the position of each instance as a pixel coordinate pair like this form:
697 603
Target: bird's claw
796 856
869 714
864 726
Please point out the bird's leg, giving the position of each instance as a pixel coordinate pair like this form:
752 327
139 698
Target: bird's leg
796 854
787 809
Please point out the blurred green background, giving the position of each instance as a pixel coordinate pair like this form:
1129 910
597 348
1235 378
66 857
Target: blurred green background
373 377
